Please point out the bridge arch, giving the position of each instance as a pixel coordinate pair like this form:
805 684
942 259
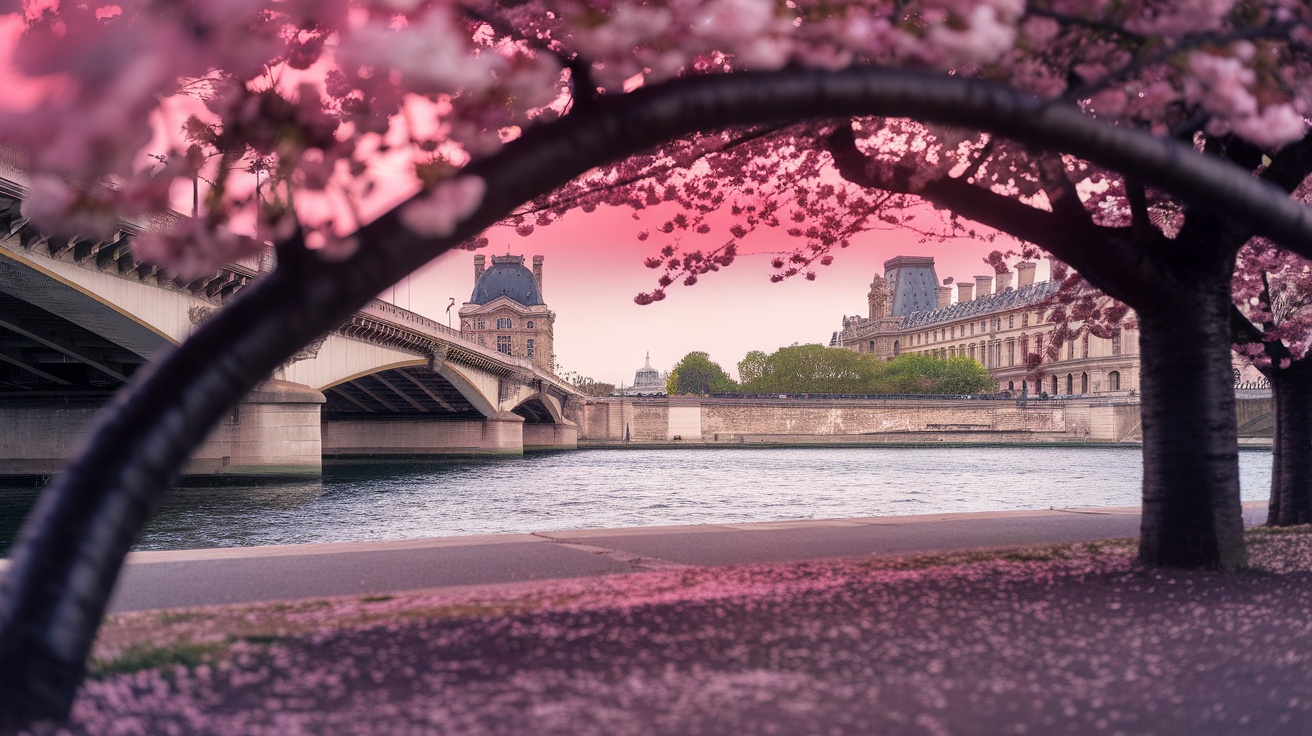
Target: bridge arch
408 387
540 408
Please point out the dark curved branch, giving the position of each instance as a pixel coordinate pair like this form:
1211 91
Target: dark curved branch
69 553
1103 254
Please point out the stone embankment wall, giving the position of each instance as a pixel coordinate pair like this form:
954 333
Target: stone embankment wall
692 420
273 432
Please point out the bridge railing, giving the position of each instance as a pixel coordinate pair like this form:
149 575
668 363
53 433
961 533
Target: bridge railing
388 312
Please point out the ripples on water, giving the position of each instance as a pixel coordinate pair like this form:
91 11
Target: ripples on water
615 488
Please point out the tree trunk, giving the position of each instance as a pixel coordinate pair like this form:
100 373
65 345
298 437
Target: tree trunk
1291 462
1191 511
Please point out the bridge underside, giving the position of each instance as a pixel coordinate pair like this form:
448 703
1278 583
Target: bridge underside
411 391
41 351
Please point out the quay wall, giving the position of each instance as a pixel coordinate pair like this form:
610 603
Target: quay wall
804 421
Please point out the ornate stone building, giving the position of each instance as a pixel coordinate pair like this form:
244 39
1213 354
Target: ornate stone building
997 324
506 311
647 381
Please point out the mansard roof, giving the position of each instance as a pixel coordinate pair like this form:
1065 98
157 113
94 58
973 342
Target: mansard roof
507 277
982 306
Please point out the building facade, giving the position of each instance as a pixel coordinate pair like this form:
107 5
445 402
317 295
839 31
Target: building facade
992 321
506 311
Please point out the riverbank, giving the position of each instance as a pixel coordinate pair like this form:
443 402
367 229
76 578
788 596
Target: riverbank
1072 638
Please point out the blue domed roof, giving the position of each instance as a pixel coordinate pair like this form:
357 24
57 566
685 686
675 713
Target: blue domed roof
507 277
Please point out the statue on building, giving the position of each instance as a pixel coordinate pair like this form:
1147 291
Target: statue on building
878 298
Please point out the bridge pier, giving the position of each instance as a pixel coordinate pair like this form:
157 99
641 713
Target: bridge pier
391 437
273 432
551 437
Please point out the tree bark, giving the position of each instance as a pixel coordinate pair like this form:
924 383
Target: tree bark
1291 462
1191 511
70 551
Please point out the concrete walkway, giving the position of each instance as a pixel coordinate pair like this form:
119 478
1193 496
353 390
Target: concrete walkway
201 577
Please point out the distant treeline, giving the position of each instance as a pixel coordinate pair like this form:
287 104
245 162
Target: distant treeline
818 369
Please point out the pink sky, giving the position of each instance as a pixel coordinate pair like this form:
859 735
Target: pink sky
593 269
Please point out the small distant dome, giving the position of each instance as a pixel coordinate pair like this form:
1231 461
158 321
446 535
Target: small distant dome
507 277
647 377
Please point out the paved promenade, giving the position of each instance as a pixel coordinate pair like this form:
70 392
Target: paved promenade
242 575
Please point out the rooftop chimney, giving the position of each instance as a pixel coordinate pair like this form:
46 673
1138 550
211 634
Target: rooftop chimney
537 273
480 261
983 286
944 296
1024 274
1004 282
964 291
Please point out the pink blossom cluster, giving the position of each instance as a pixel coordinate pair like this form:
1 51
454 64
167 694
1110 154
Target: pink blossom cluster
327 97
1273 289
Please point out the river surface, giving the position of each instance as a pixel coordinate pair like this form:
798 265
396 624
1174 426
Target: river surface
617 488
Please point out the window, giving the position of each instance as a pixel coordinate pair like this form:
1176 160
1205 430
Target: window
1025 320
503 323
481 340
1054 386
482 325
1011 385
1011 352
1038 345
1116 343
1084 347
1084 383
1114 381
1011 321
1070 384
952 332
896 348
872 346
1070 350
531 351
503 344
530 324
1024 346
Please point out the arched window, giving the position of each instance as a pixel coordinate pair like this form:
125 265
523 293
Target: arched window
1011 385
1084 346
530 324
896 348
1116 342
1084 383
872 346
530 347
503 323
1055 392
1070 384
1114 381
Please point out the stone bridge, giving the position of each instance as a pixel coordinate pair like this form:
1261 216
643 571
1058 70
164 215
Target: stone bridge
78 318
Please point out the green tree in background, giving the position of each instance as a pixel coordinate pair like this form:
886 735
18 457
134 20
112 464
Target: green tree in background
923 374
809 369
817 369
752 368
698 374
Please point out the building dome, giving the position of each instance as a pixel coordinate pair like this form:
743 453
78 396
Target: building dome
647 378
510 278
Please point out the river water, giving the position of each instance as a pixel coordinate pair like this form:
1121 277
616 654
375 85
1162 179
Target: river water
615 488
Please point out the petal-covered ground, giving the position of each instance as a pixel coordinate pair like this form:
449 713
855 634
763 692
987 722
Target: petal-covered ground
1075 639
